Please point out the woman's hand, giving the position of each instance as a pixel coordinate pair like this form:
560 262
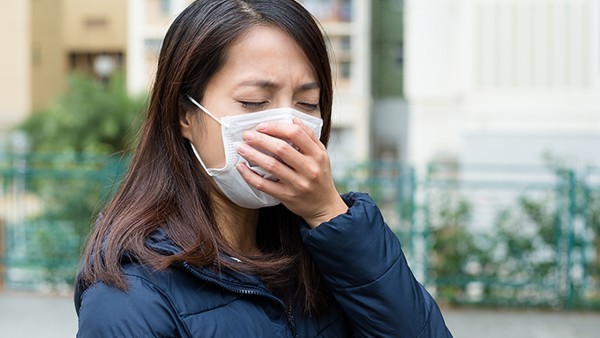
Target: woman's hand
305 184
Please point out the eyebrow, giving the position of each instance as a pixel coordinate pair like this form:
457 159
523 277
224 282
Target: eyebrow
310 86
271 84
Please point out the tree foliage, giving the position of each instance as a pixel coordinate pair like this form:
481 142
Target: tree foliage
541 248
72 167
88 117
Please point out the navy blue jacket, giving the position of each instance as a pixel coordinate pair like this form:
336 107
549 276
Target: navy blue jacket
360 257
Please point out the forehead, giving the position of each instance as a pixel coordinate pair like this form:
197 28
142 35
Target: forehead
270 53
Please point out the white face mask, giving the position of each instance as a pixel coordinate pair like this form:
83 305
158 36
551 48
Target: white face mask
228 178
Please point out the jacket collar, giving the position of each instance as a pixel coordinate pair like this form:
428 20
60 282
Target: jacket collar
159 242
231 280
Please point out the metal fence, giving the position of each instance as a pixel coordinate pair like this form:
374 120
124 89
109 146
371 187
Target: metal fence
47 202
514 236
476 235
493 235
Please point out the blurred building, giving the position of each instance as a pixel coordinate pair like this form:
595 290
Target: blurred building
390 116
147 24
51 38
45 40
347 24
503 81
15 62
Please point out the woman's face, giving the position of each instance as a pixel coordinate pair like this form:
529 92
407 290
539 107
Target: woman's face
265 69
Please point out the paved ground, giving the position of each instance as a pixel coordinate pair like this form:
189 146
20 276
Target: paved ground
522 324
31 316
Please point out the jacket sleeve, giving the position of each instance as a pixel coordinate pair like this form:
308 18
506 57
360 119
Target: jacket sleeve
363 263
141 311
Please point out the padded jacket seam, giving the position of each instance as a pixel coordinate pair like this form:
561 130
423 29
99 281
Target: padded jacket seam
165 295
374 280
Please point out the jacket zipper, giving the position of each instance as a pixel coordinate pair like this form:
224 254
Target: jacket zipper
290 317
248 292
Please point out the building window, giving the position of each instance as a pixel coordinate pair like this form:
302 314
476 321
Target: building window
336 10
153 45
346 43
345 10
398 55
345 69
96 23
165 7
86 63
36 55
399 4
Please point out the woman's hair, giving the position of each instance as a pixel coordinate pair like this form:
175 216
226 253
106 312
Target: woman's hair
164 187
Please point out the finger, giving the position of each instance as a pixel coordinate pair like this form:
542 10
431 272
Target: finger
291 155
271 164
307 130
300 136
256 181
293 169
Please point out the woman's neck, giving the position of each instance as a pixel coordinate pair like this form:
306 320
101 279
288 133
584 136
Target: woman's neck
237 225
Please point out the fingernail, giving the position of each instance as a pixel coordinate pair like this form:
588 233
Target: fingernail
248 135
261 127
242 148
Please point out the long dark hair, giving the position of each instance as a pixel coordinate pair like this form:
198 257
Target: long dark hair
165 189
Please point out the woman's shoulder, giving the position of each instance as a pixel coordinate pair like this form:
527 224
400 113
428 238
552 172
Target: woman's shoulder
165 298
141 291
147 287
144 309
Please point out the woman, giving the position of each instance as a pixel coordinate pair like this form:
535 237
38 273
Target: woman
228 222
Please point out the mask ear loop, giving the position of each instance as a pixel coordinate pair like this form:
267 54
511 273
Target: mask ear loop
191 144
204 110
199 159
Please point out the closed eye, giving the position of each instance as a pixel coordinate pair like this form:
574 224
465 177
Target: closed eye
253 105
310 106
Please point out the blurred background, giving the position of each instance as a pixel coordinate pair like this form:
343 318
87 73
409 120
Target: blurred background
475 124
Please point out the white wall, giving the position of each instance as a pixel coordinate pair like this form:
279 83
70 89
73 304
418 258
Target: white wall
501 67
137 79
15 60
352 105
